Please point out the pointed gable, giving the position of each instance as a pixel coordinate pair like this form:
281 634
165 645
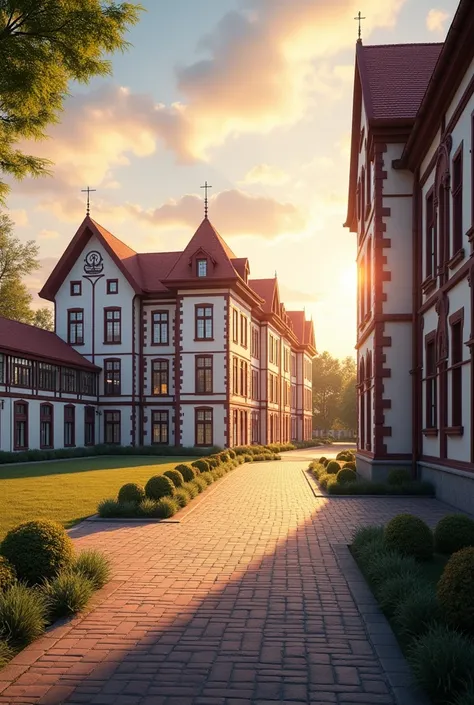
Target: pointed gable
206 244
297 319
265 288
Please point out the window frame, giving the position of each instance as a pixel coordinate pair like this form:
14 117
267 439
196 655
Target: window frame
203 318
160 372
431 383
72 423
456 322
20 418
89 423
243 330
72 284
109 283
79 340
158 325
46 420
431 247
113 424
207 423
116 389
205 368
160 423
113 309
199 261
457 166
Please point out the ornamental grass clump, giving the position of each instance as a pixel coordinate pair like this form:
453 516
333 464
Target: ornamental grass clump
392 591
417 612
385 564
455 590
7 574
6 653
175 476
23 615
131 492
333 467
207 477
182 497
67 593
346 475
200 483
364 535
408 535
166 507
191 488
94 566
159 486
453 532
187 471
38 550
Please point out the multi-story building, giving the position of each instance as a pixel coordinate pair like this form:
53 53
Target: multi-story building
182 348
411 203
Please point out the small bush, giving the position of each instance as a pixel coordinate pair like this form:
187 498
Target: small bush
345 455
94 566
388 564
398 476
68 593
442 661
325 480
182 497
364 535
224 457
409 536
201 483
131 492
175 476
187 471
202 465
350 464
38 550
6 653
453 532
191 488
108 508
346 475
207 477
166 507
213 461
322 459
392 591
23 613
159 486
232 453
7 574
455 589
333 467
417 611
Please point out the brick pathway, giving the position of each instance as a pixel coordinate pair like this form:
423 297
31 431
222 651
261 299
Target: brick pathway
242 603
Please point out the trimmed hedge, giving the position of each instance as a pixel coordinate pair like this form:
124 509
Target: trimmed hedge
7 574
398 476
201 465
187 471
454 532
333 467
159 486
409 535
455 590
366 487
131 492
346 475
175 476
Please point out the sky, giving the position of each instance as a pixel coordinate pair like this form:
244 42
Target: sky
254 96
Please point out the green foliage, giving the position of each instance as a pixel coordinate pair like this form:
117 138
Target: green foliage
334 391
159 486
213 461
467 697
38 550
108 508
23 613
417 611
409 536
392 591
455 589
385 564
175 476
182 496
187 471
346 475
202 465
98 450
201 483
322 459
94 566
7 574
366 487
67 593
131 492
191 488
232 453
207 477
442 661
166 507
146 509
333 467
398 476
453 532
6 653
224 457
345 455
350 464
365 535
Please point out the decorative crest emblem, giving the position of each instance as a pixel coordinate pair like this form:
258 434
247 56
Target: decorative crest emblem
94 263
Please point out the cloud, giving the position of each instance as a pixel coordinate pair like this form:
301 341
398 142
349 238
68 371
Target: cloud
19 217
234 212
48 234
436 20
265 174
36 280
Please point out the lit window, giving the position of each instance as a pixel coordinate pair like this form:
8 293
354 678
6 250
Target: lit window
112 286
202 267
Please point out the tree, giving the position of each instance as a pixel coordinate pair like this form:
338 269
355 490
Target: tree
334 392
17 260
44 44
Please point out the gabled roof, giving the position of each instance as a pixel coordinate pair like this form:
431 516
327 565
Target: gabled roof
154 268
29 340
241 266
297 319
265 288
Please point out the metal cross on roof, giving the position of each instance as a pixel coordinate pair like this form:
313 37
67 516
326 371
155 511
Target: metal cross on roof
359 18
206 187
88 191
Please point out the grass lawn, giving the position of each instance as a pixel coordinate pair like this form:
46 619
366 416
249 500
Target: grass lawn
69 490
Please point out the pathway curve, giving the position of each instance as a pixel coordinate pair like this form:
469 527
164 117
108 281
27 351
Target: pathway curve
242 603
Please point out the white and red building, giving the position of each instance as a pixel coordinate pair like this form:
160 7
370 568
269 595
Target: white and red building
172 348
411 203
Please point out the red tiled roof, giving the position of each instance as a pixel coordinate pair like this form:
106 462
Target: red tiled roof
395 77
240 264
297 319
265 288
30 340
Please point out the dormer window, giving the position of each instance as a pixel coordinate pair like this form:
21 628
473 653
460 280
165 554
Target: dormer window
201 265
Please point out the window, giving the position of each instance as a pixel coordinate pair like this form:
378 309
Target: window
293 365
271 349
160 325
255 427
254 385
431 383
89 426
87 383
255 343
362 197
47 375
243 378
456 371
46 426
293 395
112 377
69 426
75 288
457 202
75 326
112 325
112 427
286 365
203 421
235 325
21 372
68 380
21 425
204 322
112 286
160 428
201 267
160 377
2 368
203 374
235 375
243 428
430 251
368 278
243 331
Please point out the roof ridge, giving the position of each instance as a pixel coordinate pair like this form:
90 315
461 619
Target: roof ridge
402 44
117 239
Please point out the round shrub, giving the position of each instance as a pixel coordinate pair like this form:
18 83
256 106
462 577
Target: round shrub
453 532
175 476
442 661
38 550
346 475
94 566
68 593
398 476
392 591
213 461
455 589
182 496
232 453
333 467
188 472
350 464
417 611
159 486
409 536
201 465
7 574
224 457
131 492
23 615
344 455
322 459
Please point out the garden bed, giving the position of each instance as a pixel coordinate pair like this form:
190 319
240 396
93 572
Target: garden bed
424 586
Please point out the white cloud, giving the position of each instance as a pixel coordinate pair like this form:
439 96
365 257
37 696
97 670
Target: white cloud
436 20
19 217
265 174
48 234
